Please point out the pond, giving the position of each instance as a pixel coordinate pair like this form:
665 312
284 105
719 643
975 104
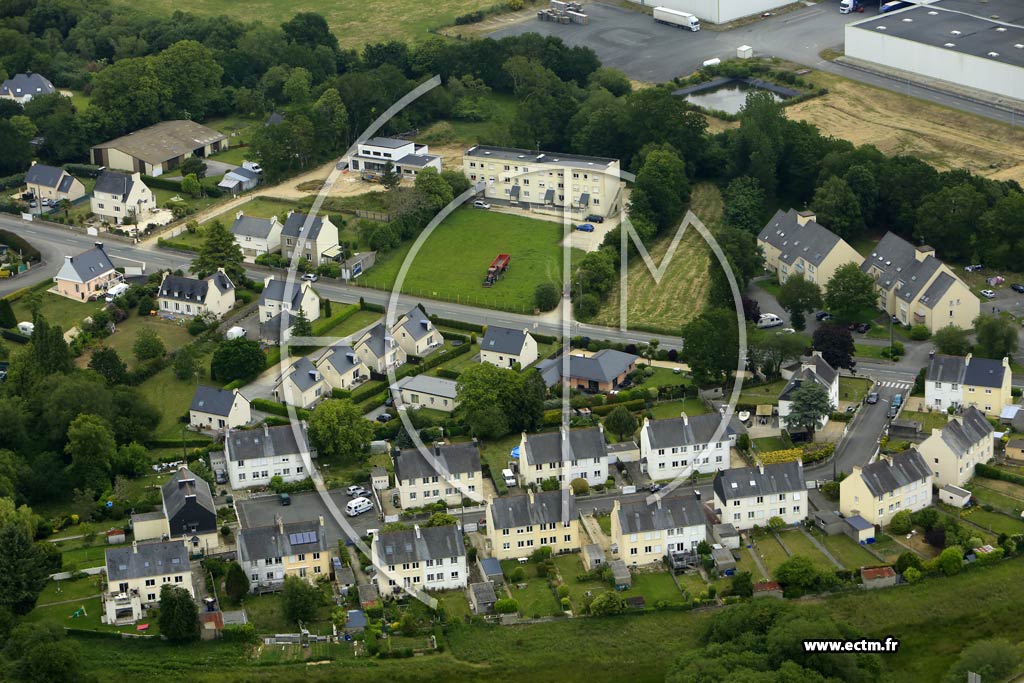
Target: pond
728 97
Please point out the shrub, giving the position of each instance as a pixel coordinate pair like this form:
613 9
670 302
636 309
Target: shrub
506 606
902 522
920 332
517 575
912 575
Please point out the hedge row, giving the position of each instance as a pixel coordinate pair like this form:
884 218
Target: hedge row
457 324
373 308
990 472
16 180
364 392
162 183
18 244
190 442
322 326
280 409
632 406
14 336
86 170
237 384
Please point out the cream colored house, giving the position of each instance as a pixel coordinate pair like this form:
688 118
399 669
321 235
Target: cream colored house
518 525
187 514
416 334
119 196
646 532
952 452
280 303
450 474
50 182
302 385
136 574
425 391
341 368
892 483
957 382
564 455
795 244
268 554
506 347
378 350
546 180
684 446
750 496
418 559
86 275
256 236
254 456
190 297
918 288
318 246
214 408
159 148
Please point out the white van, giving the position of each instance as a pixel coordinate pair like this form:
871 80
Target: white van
768 320
116 291
510 479
358 506
234 333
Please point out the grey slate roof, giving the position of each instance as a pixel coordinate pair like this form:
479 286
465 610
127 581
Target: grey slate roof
971 428
671 512
804 375
146 559
65 183
547 507
374 338
250 226
984 372
193 289
745 482
260 543
811 242
455 458
32 84
261 443
339 358
677 431
414 322
293 225
113 182
87 265
213 400
947 369
483 593
180 486
603 366
939 286
504 340
276 290
303 374
897 259
548 447
884 476
434 386
41 174
419 545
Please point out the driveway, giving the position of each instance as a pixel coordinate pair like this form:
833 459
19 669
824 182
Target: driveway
306 506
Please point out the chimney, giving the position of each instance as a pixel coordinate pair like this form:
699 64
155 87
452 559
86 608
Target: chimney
266 430
135 547
686 419
647 421
760 467
417 528
99 245
33 162
321 519
600 427
529 492
804 217
239 214
280 524
437 448
967 358
1006 362
68 259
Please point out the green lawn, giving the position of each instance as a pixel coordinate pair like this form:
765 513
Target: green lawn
60 615
767 444
80 100
266 612
537 598
453 262
996 522
172 397
929 421
455 603
747 564
762 394
654 587
887 547
869 351
692 583
661 377
770 285
604 520
691 406
854 388
58 310
499 113
496 454
1000 501
174 334
176 198
459 363
260 207
77 559
799 544
772 554
72 589
846 550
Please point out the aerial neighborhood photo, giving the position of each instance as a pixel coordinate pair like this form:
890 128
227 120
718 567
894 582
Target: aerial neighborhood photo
499 342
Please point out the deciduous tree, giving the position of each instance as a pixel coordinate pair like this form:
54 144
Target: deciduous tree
300 599
799 296
952 340
109 365
179 616
838 208
338 429
996 335
92 450
620 422
237 359
850 294
148 344
810 405
835 344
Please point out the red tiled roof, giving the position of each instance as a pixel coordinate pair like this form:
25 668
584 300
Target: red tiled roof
877 573
767 586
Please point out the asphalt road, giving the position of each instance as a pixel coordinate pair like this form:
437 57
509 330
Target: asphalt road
652 52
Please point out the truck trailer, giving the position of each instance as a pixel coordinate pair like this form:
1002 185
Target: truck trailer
847 6
672 17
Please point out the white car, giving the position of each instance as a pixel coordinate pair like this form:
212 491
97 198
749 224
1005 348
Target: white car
356 491
988 294
479 204
310 277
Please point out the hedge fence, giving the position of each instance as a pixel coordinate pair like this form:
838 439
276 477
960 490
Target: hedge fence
280 409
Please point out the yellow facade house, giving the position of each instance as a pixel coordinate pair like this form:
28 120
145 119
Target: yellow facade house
450 474
646 532
795 244
518 525
270 553
889 485
953 451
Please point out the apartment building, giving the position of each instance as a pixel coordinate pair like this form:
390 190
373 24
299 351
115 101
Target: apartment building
953 451
254 456
450 473
645 532
795 244
421 558
749 496
564 455
682 446
518 525
892 483
268 554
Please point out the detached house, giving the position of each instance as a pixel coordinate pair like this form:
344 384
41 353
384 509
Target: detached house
120 196
188 514
214 408
256 236
816 370
518 525
647 532
682 446
424 391
320 243
270 553
421 558
378 350
450 474
749 496
50 182
135 575
253 456
416 334
302 385
918 288
957 382
190 297
406 157
86 275
280 303
506 347
795 244
892 483
599 372
564 455
952 452
341 368
21 88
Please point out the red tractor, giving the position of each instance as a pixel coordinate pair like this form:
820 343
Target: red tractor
497 269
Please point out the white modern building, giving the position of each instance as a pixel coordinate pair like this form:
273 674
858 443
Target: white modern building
749 496
719 11
972 43
406 157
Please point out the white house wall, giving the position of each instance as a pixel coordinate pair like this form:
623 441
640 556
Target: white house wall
719 11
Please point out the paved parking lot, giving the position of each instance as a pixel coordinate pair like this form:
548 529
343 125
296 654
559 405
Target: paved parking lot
262 511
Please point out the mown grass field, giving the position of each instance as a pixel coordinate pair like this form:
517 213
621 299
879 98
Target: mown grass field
453 261
844 549
683 291
58 310
799 544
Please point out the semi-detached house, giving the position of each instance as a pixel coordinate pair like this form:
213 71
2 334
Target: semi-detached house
254 456
451 473
256 236
953 451
319 244
645 532
749 496
889 485
187 514
519 525
137 573
564 455
189 297
963 381
684 445
421 558
270 553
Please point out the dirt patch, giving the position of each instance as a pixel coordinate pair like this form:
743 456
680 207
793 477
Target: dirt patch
898 124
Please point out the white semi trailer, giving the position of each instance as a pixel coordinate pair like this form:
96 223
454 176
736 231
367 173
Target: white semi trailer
672 17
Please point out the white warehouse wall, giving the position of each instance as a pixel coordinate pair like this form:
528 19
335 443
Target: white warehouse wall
718 11
872 45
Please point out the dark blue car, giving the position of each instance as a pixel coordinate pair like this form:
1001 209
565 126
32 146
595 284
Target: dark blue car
585 227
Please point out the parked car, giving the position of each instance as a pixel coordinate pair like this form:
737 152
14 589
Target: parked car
384 417
893 410
768 320
594 218
988 294
585 227
822 316
872 398
897 400
354 491
971 269
284 498
478 204
654 488
863 327
220 476
310 277
1017 287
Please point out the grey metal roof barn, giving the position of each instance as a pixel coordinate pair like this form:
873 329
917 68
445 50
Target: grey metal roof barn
544 507
140 560
164 141
455 458
418 544
745 482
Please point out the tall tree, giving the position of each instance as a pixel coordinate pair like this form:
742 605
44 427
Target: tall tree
237 359
337 429
810 405
799 296
236 583
132 90
744 205
835 344
24 568
661 188
996 335
620 422
7 317
769 350
711 345
948 220
302 327
300 599
330 118
952 340
17 150
437 191
390 178
109 365
92 450
838 208
179 616
191 74
850 294
148 344
861 180
219 250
